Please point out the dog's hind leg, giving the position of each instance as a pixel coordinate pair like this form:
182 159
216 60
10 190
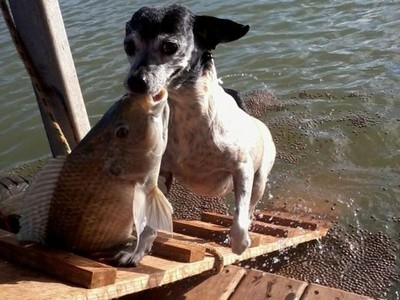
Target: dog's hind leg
243 181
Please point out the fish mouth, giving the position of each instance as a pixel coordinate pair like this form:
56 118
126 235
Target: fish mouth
162 94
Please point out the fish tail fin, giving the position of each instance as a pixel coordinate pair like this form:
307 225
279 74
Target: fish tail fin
159 211
36 202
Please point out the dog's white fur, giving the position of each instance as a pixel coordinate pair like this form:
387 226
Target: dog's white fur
214 147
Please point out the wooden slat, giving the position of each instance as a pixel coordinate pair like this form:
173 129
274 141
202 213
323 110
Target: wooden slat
258 285
217 287
175 250
218 234
67 266
319 292
256 226
213 232
286 219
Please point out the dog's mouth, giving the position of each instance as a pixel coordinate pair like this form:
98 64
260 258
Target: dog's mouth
174 74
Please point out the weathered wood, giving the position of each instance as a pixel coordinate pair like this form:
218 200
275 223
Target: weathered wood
219 286
41 29
256 226
176 250
258 285
286 219
213 232
67 266
320 292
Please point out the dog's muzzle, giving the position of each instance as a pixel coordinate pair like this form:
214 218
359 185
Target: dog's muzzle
138 83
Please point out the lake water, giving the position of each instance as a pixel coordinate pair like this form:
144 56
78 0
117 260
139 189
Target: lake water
334 65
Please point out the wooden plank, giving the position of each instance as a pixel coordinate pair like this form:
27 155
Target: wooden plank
218 234
258 285
66 266
319 292
213 232
49 62
176 250
219 286
256 226
287 219
172 291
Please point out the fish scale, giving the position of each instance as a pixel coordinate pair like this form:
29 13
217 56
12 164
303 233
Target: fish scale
90 221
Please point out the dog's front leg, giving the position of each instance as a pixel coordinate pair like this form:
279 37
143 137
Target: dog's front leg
243 182
134 254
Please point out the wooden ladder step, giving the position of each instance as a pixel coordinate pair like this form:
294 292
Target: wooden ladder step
176 250
65 265
286 219
256 226
212 232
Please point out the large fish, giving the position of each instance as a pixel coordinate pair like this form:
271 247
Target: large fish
90 200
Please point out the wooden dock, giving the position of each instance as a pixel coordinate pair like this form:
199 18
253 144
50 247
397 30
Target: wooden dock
235 283
194 248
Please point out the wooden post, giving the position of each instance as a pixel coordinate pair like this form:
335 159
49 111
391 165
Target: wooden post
41 29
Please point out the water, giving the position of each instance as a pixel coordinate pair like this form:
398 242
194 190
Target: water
335 65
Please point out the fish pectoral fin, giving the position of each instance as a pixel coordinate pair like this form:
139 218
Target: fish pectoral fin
159 211
139 212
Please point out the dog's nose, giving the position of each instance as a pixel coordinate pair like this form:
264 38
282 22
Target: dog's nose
138 83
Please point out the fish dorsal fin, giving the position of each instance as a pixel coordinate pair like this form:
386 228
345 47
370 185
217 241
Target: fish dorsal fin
159 211
37 200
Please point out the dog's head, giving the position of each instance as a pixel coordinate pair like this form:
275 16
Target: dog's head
165 45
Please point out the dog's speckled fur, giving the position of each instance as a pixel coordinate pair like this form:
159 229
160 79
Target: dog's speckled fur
214 147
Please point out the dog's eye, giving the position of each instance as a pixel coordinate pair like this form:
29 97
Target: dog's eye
169 48
121 131
130 48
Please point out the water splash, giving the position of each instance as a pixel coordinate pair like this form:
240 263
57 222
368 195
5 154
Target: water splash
253 78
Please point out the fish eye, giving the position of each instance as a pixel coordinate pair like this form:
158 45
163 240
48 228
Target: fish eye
169 48
130 48
121 131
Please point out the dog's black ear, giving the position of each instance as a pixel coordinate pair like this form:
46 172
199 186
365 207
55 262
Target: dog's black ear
210 31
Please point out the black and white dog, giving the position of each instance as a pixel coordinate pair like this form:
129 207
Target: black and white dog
213 147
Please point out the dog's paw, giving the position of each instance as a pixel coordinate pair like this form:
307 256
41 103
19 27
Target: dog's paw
131 256
240 240
127 258
238 247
